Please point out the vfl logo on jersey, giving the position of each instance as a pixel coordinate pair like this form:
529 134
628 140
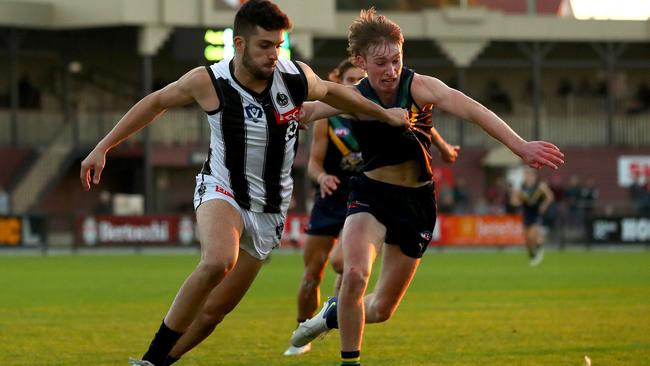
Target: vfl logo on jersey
253 112
341 132
282 99
289 116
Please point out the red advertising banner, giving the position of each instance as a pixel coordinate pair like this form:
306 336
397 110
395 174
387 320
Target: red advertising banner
452 230
465 230
488 230
138 230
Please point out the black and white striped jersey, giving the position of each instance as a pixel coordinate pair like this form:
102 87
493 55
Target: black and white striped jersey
254 136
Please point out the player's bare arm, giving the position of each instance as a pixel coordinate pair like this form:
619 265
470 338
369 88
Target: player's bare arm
314 111
536 154
193 86
448 153
348 99
328 183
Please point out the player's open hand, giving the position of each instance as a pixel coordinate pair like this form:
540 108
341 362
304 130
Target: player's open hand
398 117
541 153
94 163
328 184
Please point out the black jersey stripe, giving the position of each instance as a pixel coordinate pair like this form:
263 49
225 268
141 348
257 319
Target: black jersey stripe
206 168
217 90
233 129
297 85
274 158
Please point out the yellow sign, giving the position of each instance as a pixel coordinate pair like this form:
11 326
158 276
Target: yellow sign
10 231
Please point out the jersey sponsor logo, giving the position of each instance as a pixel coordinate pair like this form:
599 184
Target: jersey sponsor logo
282 99
253 112
289 116
223 191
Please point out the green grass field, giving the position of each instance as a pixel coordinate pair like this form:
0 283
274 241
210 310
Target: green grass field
462 309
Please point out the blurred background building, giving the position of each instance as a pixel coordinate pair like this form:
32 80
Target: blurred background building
575 73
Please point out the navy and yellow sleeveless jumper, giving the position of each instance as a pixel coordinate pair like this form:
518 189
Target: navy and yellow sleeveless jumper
382 144
531 198
343 160
409 214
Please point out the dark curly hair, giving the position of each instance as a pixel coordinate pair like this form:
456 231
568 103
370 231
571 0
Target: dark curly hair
259 12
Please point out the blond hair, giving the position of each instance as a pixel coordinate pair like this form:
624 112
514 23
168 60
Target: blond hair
370 30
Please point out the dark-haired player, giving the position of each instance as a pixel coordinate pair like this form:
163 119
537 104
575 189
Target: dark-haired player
243 191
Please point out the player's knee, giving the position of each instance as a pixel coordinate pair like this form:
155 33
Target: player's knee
212 317
216 269
355 280
383 310
337 265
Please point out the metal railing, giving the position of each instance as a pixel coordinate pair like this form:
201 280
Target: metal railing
188 126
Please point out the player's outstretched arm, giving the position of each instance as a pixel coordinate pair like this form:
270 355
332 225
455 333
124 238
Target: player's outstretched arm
536 154
189 88
348 99
314 111
448 153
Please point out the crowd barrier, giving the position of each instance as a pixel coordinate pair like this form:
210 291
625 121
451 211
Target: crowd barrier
31 231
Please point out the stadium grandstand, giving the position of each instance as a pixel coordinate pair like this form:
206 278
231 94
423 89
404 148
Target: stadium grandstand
557 70
87 276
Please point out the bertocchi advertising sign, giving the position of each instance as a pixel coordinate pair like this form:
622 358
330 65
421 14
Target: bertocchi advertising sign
136 230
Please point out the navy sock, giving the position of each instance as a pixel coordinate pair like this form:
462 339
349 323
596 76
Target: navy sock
161 344
332 318
350 358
